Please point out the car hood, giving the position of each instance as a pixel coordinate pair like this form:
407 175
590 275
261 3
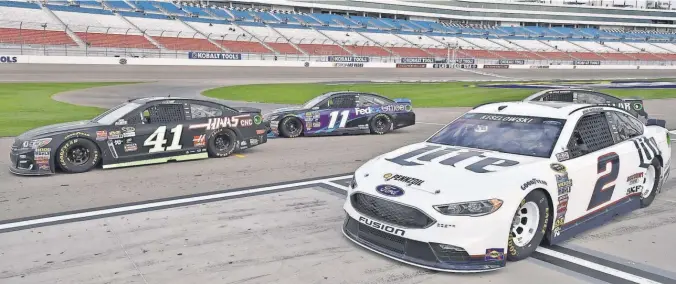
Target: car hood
56 128
476 177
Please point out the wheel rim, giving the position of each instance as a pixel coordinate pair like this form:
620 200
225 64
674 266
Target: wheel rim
525 224
78 155
648 182
222 142
380 124
293 126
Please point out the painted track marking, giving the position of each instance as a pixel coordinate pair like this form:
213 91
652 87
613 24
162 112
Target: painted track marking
595 266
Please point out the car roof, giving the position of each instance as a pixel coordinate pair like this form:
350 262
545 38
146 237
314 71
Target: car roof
154 99
549 109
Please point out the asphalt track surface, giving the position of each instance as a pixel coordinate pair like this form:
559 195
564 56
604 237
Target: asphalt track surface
271 214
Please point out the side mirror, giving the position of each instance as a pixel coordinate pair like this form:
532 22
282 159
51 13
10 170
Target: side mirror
659 122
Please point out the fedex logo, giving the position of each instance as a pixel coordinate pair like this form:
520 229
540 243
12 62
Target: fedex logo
362 111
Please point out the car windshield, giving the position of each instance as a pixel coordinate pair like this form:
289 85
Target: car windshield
114 114
521 135
311 103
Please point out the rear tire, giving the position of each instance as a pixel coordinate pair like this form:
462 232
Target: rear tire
222 143
290 127
78 155
529 226
653 173
380 124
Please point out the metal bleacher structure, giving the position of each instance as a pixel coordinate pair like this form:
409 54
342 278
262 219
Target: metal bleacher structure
171 29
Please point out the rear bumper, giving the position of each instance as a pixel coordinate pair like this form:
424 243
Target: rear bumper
404 120
414 252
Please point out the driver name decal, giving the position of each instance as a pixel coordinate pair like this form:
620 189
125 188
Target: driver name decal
431 152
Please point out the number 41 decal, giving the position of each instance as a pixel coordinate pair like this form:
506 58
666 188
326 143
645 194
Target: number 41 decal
157 141
334 117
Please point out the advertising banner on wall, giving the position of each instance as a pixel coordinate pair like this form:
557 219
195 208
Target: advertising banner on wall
417 60
348 59
411 65
512 61
214 55
587 62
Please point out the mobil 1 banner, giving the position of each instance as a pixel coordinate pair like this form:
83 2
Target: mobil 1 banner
460 66
512 62
348 59
417 60
587 62
214 55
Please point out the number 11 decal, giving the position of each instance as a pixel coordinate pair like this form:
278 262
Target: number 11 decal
603 191
343 118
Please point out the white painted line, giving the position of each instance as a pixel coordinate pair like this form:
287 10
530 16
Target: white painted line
595 266
336 185
161 203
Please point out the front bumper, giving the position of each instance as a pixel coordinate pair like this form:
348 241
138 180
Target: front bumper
449 244
23 162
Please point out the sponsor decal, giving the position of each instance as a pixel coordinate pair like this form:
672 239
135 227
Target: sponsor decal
223 122
445 226
635 178
389 190
417 60
363 126
507 118
587 62
112 135
432 152
117 142
362 111
260 131
8 59
404 179
562 207
532 182
348 65
634 189
512 61
647 150
411 65
76 134
130 147
257 119
128 132
564 185
491 66
199 140
253 142
563 156
539 67
42 154
594 109
101 135
308 125
494 254
214 55
348 59
316 124
246 122
559 168
121 122
382 227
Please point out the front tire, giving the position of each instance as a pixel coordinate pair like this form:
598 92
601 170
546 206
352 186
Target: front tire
529 226
651 183
78 155
222 143
290 127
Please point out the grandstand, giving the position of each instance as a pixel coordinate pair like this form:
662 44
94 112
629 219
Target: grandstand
300 29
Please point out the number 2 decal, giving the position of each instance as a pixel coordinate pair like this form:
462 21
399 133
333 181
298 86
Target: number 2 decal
157 141
602 190
334 117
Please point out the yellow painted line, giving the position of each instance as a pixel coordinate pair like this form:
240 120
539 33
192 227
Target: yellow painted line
239 156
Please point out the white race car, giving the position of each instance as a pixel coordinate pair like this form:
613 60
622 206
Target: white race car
503 178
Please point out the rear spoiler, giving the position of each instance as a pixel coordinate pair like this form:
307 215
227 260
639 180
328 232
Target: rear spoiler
402 100
634 106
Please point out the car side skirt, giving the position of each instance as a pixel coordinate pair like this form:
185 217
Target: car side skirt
179 158
598 217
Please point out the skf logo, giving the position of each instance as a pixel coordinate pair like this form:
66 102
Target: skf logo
407 180
362 111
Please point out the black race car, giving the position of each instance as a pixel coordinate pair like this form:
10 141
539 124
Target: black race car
586 96
139 132
342 112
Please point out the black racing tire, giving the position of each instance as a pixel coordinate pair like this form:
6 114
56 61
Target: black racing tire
380 124
535 200
222 143
78 155
647 200
290 127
